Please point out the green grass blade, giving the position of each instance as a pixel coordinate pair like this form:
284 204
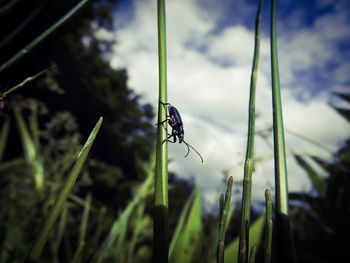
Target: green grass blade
176 238
114 244
139 226
40 242
3 137
255 234
41 37
30 151
283 234
85 218
252 255
268 227
249 161
161 228
188 242
224 214
61 227
78 252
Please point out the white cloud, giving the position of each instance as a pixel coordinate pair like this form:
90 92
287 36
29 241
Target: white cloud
208 80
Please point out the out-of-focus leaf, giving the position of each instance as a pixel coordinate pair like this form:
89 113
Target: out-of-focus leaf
114 245
314 177
41 240
255 234
30 151
187 241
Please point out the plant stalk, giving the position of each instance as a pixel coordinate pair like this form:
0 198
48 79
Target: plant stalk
160 228
249 162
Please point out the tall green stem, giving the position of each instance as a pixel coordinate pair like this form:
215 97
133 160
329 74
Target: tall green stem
249 164
160 228
282 220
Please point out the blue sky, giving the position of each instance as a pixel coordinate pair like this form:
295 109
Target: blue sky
210 48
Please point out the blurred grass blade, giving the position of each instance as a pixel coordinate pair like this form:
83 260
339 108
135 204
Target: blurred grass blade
160 223
3 137
40 242
283 234
139 226
314 177
268 227
41 37
249 159
255 234
252 255
78 252
224 214
187 244
114 244
15 31
7 7
176 238
85 218
30 151
61 227
309 140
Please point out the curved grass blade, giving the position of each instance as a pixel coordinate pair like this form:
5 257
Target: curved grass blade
160 226
40 242
224 214
249 159
41 37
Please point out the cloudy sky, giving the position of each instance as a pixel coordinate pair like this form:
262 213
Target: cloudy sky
209 50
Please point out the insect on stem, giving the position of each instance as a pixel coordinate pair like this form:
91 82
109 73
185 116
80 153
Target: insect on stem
175 122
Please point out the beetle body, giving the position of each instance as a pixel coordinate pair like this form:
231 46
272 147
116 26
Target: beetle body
176 124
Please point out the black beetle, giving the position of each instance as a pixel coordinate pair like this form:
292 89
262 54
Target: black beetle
175 122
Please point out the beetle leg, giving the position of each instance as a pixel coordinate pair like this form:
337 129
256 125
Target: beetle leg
168 139
162 123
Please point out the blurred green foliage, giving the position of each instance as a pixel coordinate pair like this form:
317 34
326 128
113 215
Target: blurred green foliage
320 218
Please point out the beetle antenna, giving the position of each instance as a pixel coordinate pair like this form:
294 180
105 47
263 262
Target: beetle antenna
188 150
